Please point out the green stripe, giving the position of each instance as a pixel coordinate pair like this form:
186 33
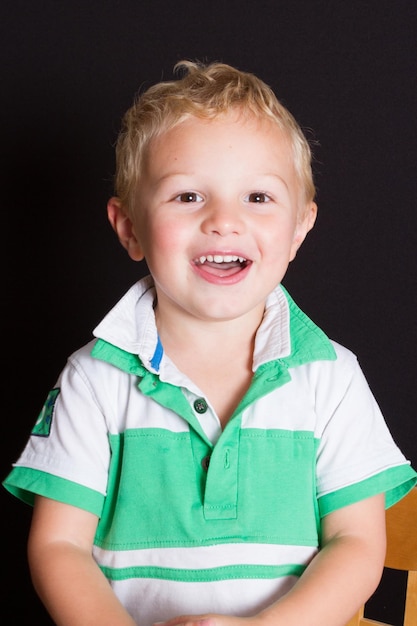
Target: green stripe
229 572
125 361
395 482
308 342
160 494
25 483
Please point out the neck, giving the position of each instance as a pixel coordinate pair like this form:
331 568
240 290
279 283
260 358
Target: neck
235 336
216 356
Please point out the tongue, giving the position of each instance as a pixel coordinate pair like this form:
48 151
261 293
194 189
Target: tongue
222 269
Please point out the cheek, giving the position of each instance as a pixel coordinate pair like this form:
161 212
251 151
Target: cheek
166 237
279 237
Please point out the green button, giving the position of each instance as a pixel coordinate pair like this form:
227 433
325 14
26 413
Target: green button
200 405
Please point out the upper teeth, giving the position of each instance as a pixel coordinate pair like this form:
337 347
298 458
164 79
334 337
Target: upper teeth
219 258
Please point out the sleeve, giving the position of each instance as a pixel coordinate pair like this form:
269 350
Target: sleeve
357 456
67 455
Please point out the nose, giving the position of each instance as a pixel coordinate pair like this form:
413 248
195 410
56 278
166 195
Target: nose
223 218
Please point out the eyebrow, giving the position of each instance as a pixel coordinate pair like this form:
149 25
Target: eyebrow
171 175
185 174
275 176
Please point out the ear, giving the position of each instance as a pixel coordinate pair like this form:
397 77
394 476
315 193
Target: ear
305 224
124 229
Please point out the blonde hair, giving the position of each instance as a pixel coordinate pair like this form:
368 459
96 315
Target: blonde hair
203 91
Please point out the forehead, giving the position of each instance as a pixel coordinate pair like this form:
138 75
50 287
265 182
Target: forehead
226 131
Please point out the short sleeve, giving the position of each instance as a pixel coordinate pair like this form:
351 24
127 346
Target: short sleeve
67 455
357 456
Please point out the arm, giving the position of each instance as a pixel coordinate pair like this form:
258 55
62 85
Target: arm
64 573
337 582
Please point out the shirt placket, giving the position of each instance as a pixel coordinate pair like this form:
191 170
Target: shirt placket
220 496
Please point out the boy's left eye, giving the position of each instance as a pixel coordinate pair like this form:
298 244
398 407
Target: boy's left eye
189 196
257 197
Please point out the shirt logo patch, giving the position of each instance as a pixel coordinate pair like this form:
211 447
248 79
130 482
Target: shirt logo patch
43 424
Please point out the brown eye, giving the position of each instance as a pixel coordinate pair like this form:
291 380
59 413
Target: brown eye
257 197
189 196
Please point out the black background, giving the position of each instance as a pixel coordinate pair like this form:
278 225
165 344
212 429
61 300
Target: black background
346 69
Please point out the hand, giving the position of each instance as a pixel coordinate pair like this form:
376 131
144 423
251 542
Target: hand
209 620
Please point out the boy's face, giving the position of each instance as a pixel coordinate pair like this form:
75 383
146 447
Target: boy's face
218 216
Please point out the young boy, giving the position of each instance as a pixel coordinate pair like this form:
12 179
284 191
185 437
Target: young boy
211 456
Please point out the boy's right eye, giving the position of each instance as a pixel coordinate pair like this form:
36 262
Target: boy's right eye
189 196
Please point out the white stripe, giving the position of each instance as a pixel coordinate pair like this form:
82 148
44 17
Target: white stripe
207 556
155 601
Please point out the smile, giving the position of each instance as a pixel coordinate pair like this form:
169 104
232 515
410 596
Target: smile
222 268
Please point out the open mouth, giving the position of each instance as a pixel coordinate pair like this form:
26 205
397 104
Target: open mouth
222 265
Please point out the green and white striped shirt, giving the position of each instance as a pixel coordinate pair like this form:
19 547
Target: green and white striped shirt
193 519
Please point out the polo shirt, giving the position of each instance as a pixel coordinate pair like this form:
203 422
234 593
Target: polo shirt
193 518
